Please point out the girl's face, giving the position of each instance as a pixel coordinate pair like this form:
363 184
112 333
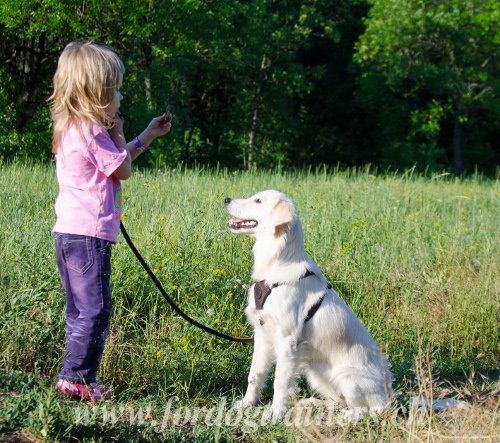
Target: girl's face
114 106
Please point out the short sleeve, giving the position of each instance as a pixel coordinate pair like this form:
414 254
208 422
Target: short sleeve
102 151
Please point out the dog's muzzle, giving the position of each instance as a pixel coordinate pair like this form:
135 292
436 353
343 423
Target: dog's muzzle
237 223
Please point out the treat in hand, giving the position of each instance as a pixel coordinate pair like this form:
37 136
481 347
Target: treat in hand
168 114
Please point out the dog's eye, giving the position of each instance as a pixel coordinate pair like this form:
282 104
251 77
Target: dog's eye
258 200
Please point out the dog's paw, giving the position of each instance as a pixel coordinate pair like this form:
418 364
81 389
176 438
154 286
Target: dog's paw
274 414
242 404
267 415
309 402
352 415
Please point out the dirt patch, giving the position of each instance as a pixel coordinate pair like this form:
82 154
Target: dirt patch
15 437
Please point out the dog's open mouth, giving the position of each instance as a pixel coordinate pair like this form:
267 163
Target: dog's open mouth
237 223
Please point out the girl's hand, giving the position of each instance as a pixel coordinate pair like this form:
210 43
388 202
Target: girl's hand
160 126
116 132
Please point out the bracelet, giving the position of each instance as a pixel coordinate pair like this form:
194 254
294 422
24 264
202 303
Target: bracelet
138 145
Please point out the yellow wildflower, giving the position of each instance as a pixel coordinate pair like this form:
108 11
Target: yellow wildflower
217 271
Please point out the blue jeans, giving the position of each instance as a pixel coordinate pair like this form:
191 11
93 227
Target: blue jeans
84 265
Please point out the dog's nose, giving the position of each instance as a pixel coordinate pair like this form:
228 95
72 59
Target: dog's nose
227 200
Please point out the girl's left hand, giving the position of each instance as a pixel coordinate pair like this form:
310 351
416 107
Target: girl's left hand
159 126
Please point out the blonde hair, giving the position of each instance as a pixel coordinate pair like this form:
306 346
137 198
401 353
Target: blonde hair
85 81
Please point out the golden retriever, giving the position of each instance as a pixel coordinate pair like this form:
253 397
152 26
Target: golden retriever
299 321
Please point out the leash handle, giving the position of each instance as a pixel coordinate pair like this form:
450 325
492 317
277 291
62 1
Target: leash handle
171 301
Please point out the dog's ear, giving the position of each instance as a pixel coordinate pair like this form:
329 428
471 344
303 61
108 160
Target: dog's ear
283 215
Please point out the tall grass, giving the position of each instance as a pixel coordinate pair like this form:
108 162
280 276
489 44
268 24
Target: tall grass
416 258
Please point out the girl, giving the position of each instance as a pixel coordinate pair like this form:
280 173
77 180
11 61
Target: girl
92 157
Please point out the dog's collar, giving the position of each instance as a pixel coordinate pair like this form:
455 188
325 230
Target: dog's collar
262 290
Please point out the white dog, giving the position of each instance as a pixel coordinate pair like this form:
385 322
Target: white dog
299 321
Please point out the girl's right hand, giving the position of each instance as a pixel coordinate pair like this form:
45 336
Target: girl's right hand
116 132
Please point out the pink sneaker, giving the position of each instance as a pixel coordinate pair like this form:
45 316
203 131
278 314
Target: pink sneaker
93 392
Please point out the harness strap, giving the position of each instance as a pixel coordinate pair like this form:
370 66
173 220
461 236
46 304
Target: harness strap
314 308
260 293
262 290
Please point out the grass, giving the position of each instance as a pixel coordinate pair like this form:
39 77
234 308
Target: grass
416 258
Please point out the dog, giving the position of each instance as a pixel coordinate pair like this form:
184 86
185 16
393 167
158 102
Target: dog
299 321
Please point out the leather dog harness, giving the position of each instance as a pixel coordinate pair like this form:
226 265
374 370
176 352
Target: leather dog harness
262 290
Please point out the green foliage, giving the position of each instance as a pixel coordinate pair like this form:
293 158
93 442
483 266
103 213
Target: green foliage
263 83
437 63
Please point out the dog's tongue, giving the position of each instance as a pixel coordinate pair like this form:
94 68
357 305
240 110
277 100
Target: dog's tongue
236 220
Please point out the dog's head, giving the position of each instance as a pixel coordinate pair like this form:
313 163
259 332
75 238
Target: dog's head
268 211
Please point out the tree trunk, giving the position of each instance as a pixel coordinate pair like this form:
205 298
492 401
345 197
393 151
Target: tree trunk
147 50
258 98
147 89
457 146
185 148
31 57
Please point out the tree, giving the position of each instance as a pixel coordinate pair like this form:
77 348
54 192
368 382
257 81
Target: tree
33 34
441 58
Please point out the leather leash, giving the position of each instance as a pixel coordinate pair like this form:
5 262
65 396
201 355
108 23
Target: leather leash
171 302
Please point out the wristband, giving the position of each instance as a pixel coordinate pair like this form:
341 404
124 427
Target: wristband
138 145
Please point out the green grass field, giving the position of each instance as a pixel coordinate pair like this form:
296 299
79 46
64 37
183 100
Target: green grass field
416 258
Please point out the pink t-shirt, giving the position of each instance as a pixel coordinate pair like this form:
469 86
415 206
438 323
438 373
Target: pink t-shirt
89 200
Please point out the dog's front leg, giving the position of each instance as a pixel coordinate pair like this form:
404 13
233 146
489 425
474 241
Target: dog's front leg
263 356
286 372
